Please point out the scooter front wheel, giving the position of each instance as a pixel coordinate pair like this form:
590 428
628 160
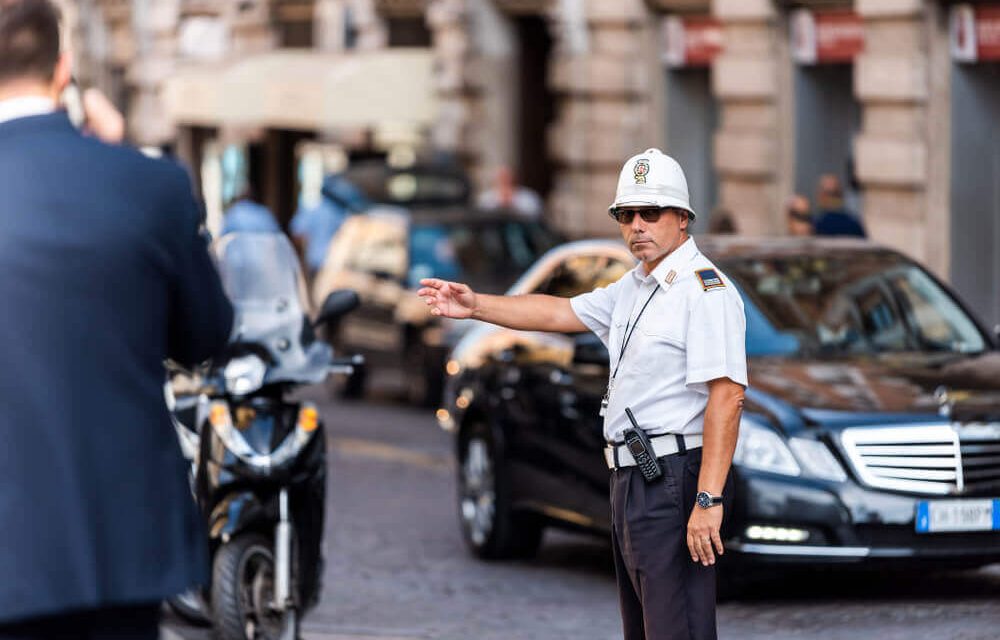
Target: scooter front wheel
243 593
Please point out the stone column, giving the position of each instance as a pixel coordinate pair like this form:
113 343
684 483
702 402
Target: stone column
602 76
449 24
892 83
750 145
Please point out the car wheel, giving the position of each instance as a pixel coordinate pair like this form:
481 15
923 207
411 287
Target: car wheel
492 529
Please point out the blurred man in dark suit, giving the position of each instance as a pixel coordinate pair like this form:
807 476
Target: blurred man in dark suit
833 219
103 274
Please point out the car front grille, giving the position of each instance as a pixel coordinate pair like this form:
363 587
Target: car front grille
926 459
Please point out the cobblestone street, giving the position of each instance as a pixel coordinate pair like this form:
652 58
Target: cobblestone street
397 567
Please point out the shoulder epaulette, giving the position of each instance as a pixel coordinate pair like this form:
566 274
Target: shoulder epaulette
710 279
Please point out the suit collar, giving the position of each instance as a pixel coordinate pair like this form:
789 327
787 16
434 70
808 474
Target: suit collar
47 122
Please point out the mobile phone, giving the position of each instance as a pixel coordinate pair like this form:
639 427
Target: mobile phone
72 100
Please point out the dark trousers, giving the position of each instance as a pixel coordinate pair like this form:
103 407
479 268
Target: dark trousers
663 594
139 622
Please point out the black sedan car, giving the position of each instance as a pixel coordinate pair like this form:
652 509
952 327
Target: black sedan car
871 431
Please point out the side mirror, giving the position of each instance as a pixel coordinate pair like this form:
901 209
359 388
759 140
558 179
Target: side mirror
588 349
338 303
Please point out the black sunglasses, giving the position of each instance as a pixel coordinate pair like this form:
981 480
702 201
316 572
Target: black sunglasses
626 216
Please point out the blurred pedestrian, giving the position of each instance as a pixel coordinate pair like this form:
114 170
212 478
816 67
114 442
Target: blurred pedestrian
507 194
832 218
314 226
247 215
798 217
674 397
105 275
722 222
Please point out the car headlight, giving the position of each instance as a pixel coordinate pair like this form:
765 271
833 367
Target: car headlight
817 459
244 375
222 423
763 449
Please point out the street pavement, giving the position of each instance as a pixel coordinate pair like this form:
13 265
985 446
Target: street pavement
397 568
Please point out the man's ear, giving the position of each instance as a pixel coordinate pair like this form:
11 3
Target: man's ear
62 75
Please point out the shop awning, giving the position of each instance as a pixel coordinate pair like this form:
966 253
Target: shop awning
308 90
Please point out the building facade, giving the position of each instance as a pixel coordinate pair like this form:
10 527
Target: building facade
756 98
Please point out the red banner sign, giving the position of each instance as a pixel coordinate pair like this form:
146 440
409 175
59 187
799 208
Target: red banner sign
975 32
826 37
691 41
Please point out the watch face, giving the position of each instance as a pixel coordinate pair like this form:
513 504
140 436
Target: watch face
704 500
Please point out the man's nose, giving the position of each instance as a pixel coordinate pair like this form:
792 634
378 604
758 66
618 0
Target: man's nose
638 224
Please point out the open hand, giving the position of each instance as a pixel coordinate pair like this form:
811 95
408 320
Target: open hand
448 299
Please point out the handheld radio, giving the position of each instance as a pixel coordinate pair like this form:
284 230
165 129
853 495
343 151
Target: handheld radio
641 449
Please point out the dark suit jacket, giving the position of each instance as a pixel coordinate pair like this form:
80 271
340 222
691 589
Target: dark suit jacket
103 275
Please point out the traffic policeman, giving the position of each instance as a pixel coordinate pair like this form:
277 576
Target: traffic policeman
675 331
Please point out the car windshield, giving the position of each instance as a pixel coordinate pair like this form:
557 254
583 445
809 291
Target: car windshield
487 255
856 303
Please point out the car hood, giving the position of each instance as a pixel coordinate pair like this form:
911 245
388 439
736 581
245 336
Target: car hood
882 388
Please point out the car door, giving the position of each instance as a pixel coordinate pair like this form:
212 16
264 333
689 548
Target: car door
566 375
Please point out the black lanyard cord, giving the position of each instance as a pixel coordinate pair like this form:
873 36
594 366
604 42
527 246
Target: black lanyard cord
629 332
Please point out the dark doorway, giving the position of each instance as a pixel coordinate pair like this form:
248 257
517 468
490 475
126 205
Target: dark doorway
536 104
692 118
273 171
827 117
408 31
975 187
293 23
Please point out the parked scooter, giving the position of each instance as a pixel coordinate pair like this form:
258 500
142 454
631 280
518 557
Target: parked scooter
259 456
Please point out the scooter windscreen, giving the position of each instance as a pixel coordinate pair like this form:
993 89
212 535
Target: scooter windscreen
261 275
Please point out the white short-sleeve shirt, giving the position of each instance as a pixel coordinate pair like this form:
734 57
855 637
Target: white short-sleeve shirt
692 331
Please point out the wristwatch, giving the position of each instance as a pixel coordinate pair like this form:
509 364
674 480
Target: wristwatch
706 500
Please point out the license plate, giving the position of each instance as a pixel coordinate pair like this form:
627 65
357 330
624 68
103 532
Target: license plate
941 516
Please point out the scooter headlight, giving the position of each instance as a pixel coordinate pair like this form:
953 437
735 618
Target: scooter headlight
244 375
222 423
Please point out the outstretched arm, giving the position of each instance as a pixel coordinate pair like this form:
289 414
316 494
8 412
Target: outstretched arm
533 312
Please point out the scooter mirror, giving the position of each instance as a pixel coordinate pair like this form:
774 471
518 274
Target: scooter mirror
338 303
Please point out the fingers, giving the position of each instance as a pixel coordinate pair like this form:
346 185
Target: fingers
717 541
701 548
703 544
434 283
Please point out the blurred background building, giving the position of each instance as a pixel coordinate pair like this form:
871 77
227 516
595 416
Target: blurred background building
755 98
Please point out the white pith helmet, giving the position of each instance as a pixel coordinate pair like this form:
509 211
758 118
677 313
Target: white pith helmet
652 179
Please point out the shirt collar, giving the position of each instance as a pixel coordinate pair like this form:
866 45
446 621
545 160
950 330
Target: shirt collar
14 108
667 271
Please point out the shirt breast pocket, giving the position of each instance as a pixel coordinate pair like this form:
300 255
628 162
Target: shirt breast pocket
654 344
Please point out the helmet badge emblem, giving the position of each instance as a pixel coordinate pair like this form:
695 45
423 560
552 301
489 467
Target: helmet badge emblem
641 169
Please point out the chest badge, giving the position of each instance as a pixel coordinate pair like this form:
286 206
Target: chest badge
710 279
